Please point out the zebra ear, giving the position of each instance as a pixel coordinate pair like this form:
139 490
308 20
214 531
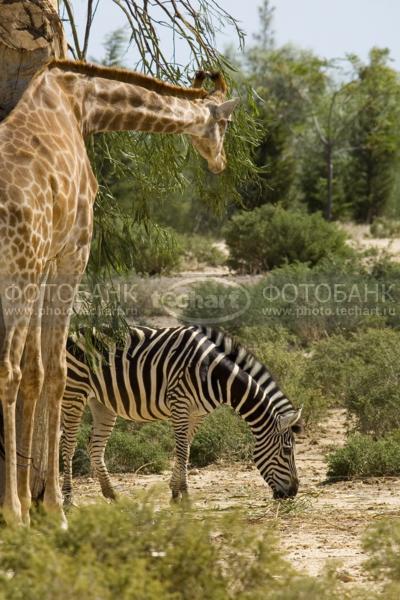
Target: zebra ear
288 420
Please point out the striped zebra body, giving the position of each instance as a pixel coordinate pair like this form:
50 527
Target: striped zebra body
180 374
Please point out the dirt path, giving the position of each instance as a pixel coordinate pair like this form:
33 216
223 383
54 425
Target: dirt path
361 239
325 522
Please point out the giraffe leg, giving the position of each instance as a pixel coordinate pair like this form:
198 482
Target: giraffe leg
53 389
55 324
29 392
72 411
14 323
103 423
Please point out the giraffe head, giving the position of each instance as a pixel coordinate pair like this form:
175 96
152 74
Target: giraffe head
209 141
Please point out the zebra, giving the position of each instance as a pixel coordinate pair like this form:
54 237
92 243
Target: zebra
179 374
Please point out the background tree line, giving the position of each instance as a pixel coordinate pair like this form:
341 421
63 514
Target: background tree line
331 129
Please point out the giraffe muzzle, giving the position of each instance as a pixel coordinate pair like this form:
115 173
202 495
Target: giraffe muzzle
217 166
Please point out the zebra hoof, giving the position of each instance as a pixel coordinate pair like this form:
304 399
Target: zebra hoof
181 498
185 501
176 498
109 494
68 502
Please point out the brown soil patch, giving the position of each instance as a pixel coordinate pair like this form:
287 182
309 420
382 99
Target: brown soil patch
326 522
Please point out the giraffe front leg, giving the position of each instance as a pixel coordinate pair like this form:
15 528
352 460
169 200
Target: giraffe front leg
29 392
9 382
53 388
55 324
14 322
30 387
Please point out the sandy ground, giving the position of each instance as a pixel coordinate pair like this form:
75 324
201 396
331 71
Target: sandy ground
327 521
361 239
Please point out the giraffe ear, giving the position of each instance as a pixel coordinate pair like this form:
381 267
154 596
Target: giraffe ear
288 420
224 111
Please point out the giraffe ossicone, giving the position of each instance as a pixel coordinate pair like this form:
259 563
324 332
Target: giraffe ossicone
47 191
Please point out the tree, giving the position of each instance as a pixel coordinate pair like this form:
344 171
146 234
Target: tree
326 146
156 161
375 136
31 33
287 81
266 35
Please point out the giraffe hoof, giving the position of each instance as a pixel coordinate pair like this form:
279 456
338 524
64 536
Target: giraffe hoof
13 518
26 519
55 511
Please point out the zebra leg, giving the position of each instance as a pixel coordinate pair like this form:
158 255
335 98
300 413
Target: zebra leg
72 411
185 427
103 423
194 425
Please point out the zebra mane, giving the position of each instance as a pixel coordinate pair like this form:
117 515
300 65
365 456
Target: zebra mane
246 360
235 351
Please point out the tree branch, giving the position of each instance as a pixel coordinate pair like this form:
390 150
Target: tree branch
70 12
89 21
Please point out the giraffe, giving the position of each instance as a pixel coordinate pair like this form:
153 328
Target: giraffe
47 191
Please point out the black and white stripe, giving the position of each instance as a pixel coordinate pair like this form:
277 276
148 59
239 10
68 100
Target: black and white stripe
180 374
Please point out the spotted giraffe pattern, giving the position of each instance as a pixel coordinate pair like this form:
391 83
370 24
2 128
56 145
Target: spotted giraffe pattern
47 191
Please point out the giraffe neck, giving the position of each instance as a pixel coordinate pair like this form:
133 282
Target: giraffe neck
107 105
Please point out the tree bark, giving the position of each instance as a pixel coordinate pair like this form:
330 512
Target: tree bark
329 165
31 33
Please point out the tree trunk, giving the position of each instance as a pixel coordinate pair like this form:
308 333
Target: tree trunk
329 165
31 34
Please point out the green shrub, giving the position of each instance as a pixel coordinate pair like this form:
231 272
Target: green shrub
131 551
383 227
81 460
362 373
331 366
131 447
198 250
270 237
382 542
287 361
310 303
223 435
155 251
363 456
148 448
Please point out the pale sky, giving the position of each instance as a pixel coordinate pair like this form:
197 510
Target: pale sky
331 28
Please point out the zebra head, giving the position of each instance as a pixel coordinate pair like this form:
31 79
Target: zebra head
274 454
